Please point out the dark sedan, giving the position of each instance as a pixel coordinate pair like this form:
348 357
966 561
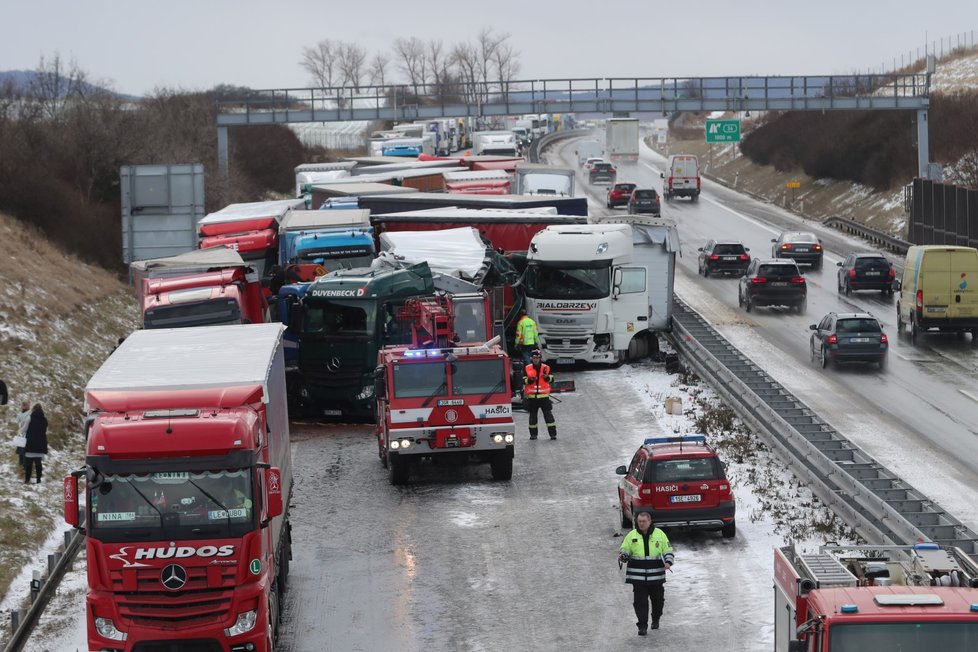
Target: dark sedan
800 246
773 283
723 258
602 173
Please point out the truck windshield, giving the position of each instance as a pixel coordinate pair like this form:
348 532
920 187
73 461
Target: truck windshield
420 380
568 281
346 258
204 313
478 377
337 317
906 636
172 504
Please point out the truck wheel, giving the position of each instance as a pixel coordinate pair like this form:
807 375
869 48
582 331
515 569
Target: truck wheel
502 466
899 321
729 531
397 470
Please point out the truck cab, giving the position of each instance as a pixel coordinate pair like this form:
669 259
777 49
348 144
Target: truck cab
335 239
588 298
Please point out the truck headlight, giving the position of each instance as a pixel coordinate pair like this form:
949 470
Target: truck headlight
245 623
509 439
368 391
405 443
106 629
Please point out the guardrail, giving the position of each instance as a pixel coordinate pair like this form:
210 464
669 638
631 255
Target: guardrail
878 504
540 144
23 622
878 237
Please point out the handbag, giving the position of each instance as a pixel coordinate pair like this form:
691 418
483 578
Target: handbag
20 441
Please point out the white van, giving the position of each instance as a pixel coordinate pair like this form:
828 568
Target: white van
682 177
939 290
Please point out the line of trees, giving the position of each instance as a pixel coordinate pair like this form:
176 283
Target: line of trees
466 70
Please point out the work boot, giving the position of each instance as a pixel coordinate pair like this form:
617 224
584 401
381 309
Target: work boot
642 631
533 437
655 624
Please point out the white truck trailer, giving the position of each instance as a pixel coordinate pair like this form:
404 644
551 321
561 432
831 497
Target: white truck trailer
621 139
540 179
594 296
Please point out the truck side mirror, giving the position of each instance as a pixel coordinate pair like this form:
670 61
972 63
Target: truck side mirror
71 500
273 492
621 470
616 284
662 175
380 383
897 285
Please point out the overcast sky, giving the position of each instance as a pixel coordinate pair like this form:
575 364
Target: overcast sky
196 44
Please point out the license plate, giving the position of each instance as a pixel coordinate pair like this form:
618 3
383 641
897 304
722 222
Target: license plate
873 273
936 308
730 258
801 250
332 413
859 340
565 360
695 498
780 284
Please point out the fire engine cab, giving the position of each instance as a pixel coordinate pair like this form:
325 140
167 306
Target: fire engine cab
446 394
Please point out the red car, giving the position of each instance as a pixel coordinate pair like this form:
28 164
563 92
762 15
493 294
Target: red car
619 194
681 482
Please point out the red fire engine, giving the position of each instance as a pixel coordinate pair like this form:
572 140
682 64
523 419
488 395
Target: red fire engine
446 393
917 598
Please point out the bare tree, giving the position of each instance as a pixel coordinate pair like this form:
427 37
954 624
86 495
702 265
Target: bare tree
352 61
320 61
506 59
55 84
377 72
412 60
465 62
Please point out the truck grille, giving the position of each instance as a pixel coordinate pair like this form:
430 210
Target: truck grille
198 602
323 375
182 645
568 347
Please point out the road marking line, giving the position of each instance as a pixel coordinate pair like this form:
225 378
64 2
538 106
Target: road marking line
969 395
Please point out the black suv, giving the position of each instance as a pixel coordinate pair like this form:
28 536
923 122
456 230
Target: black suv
848 337
646 201
723 258
866 272
774 282
604 172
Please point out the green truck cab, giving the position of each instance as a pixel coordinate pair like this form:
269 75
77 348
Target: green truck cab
342 322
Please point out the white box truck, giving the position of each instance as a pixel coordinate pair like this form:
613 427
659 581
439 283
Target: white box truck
592 297
621 139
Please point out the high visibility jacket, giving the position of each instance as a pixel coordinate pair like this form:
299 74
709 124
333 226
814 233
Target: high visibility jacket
648 555
526 332
537 385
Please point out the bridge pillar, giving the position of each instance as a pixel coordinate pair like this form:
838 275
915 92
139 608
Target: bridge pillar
923 145
222 150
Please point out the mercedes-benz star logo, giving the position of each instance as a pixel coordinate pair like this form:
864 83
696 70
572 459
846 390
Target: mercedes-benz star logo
333 365
173 577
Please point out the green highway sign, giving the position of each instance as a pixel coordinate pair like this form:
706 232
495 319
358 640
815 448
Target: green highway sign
723 131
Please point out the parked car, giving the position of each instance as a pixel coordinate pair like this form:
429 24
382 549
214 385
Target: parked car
866 272
644 200
723 258
775 282
799 246
619 194
848 337
603 172
682 482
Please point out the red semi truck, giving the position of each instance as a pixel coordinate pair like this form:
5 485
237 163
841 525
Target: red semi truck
447 394
919 598
188 480
204 287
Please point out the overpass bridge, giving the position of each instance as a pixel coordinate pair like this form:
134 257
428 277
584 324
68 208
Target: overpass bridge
613 96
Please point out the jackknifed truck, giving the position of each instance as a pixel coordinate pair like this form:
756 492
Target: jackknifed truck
187 483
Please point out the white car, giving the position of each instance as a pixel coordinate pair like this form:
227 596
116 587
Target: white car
591 161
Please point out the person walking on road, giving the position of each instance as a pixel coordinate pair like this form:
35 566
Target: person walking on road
648 554
526 336
37 443
536 393
22 420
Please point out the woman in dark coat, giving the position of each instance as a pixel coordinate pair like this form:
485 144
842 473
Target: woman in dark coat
37 443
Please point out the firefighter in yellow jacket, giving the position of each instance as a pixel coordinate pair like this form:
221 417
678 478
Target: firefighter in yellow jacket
536 393
647 551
